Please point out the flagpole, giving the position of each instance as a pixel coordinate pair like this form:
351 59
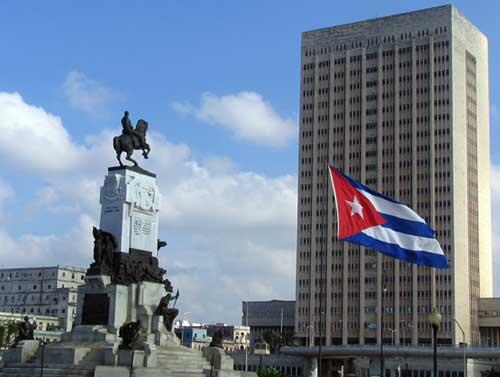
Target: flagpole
322 250
382 290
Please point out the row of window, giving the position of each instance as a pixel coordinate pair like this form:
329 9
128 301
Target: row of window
35 287
377 41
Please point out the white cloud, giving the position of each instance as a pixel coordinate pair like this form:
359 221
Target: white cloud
6 193
28 133
86 94
183 108
231 233
246 114
30 249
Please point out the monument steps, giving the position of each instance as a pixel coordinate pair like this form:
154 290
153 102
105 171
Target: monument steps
29 370
183 362
92 358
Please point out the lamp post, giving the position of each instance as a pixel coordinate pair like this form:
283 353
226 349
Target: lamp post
309 335
464 345
246 349
42 344
384 290
435 320
393 332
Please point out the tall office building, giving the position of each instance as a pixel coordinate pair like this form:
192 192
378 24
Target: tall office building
399 103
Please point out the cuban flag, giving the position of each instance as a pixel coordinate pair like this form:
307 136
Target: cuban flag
368 218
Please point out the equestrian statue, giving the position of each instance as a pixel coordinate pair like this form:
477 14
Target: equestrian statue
131 139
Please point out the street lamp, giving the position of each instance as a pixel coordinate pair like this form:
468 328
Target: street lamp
435 320
393 332
382 374
464 345
310 334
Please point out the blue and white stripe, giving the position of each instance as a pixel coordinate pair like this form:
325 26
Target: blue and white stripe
404 236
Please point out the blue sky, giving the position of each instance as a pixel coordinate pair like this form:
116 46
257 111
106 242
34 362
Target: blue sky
193 69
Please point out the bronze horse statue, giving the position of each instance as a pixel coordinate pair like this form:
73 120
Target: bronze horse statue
132 139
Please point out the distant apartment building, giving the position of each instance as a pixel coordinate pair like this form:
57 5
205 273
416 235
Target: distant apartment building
41 291
235 338
260 316
399 103
193 337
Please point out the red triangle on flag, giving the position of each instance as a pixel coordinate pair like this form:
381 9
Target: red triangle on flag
354 211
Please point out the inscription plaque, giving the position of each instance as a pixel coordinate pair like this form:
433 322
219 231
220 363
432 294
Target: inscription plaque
95 309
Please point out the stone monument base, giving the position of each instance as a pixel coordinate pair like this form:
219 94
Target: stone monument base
23 352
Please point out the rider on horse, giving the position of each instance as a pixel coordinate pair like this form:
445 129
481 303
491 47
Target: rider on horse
138 138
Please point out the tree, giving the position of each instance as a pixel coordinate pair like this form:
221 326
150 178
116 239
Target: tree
276 340
270 372
7 330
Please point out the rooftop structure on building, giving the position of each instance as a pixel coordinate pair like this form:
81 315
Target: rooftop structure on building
399 103
261 316
36 291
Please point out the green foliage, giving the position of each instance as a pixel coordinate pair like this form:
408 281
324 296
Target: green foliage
8 330
275 340
270 372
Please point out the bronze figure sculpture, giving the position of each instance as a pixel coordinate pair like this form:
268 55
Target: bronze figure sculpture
104 246
169 314
217 340
131 139
25 331
130 333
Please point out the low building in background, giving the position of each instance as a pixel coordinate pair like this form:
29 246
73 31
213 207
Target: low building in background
276 316
41 291
193 337
291 366
235 338
489 321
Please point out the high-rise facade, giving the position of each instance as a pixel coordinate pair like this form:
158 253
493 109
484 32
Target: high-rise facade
399 103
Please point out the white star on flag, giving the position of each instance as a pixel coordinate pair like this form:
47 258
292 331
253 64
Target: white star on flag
356 208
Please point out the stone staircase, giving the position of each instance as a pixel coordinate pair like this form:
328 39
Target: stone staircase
32 368
50 370
183 362
172 361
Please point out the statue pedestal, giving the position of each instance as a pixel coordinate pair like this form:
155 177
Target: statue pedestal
105 306
130 201
25 350
127 358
